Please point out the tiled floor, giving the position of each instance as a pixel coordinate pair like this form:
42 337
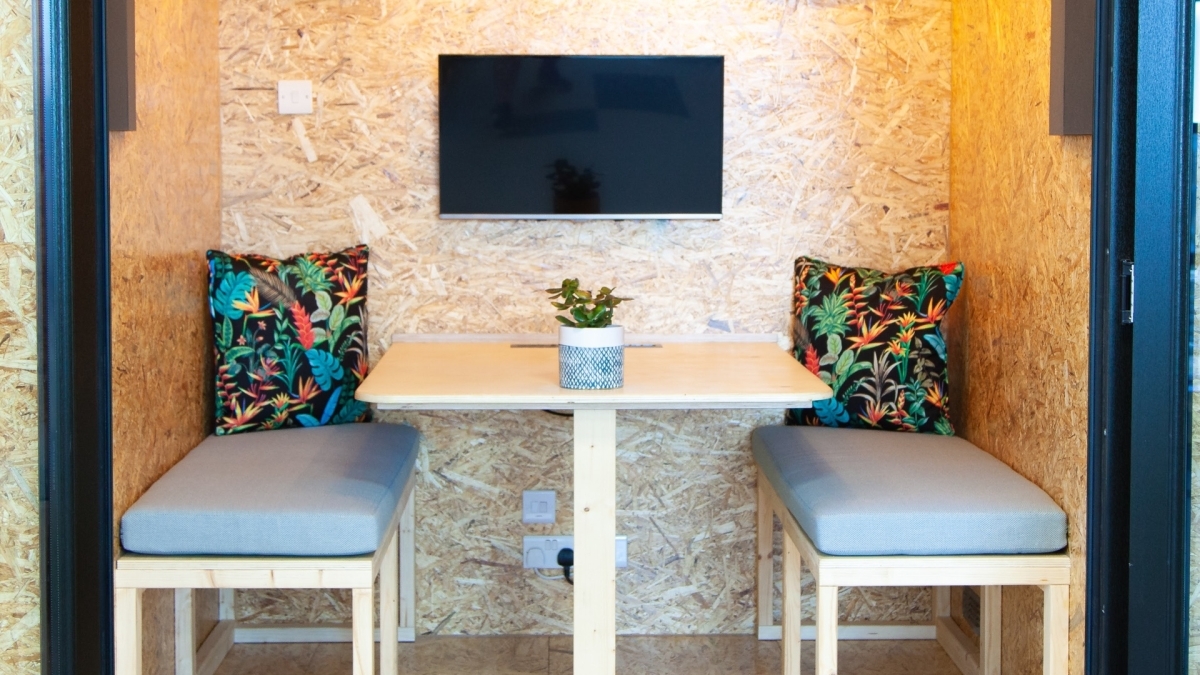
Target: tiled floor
526 655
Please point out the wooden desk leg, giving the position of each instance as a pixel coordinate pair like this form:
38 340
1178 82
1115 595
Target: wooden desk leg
595 542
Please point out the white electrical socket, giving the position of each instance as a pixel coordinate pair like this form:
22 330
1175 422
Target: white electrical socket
541 552
537 506
295 97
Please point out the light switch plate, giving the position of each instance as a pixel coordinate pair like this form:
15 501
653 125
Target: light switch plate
537 506
295 97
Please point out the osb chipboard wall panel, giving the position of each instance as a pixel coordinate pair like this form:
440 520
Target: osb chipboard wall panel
836 144
20 638
165 191
1020 221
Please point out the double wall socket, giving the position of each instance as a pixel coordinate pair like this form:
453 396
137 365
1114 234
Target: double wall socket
541 552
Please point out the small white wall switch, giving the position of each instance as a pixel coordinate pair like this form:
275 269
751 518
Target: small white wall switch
537 506
295 97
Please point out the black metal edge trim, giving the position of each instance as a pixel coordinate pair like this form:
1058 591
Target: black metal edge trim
1160 417
74 395
1110 348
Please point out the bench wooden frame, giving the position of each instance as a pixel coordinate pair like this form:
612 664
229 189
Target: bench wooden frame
394 564
1051 572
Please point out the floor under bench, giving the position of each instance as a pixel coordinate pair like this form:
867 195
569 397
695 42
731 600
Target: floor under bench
522 655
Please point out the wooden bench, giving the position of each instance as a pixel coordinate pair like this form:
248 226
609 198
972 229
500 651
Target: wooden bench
896 509
326 507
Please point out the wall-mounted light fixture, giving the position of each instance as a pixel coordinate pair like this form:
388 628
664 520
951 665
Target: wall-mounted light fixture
1072 66
122 92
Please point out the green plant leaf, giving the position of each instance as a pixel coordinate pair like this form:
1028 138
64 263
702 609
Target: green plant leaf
325 368
349 412
235 353
312 276
336 317
225 335
585 309
833 351
831 412
843 362
233 288
832 317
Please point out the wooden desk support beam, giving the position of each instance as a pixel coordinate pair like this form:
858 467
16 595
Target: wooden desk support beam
595 589
490 373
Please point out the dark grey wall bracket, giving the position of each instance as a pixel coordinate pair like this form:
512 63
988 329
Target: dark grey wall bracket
122 90
1072 66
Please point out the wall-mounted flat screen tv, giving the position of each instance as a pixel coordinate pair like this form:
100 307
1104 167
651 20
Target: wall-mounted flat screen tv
581 137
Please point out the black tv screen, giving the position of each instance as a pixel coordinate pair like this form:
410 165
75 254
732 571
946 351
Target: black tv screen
583 137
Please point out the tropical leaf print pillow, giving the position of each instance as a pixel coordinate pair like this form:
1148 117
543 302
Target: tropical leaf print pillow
876 340
290 338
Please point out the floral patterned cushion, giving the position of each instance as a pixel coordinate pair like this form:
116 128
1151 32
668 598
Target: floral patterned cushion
876 340
290 338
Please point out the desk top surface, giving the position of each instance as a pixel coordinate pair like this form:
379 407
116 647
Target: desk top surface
500 376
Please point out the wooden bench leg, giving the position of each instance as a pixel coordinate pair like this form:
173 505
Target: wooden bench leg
1056 629
389 606
941 602
226 603
408 572
989 630
766 547
363 630
127 631
185 632
827 625
791 607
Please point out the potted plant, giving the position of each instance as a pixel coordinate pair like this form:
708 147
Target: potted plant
591 351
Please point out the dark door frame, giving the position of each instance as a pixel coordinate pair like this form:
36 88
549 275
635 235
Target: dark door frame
1110 350
1139 426
74 397
1160 413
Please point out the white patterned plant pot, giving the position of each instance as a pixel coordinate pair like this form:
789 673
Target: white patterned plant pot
591 358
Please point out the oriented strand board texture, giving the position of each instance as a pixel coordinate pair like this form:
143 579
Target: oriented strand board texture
836 145
165 191
1020 221
19 572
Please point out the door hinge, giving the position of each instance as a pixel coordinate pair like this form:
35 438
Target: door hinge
1127 279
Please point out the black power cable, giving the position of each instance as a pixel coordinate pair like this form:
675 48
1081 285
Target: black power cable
566 559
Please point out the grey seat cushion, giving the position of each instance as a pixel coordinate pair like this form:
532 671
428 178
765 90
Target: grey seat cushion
868 492
321 491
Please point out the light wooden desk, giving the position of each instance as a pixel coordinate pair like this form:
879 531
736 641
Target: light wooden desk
465 373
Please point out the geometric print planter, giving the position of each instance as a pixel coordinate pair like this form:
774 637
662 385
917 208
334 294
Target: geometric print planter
591 358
